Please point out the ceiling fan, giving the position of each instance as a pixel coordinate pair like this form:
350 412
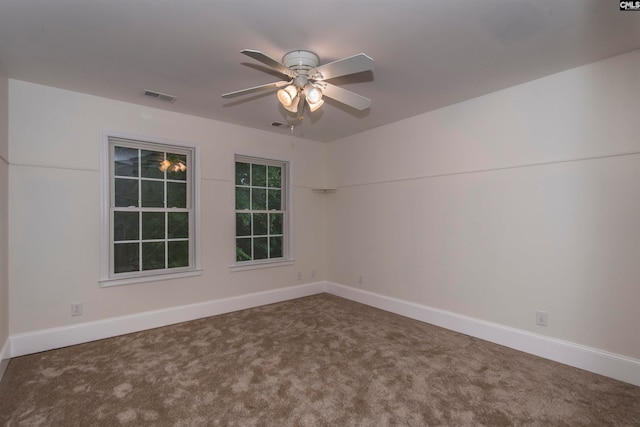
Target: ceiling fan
308 80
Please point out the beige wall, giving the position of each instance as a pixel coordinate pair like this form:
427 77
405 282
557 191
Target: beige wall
4 222
519 200
54 206
493 208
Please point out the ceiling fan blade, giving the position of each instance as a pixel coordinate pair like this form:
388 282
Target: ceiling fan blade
255 89
346 97
342 67
270 62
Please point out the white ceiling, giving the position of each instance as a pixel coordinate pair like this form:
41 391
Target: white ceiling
427 53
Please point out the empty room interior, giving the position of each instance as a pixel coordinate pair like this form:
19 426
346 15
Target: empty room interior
464 176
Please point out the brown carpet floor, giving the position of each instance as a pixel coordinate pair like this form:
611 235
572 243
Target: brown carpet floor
315 361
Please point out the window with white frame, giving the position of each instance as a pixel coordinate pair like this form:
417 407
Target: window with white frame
151 222
262 221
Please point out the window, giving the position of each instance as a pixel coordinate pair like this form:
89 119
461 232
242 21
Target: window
261 211
151 210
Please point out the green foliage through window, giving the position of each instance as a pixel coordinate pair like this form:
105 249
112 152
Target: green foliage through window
260 209
151 209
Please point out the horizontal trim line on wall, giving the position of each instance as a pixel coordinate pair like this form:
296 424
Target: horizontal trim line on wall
601 362
524 165
67 168
26 165
308 187
216 179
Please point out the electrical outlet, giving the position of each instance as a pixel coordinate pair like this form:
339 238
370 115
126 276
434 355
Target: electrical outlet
541 318
360 280
76 309
299 275
313 274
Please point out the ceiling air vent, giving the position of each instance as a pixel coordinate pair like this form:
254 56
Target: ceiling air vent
159 96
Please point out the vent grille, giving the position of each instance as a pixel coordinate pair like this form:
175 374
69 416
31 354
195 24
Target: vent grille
160 96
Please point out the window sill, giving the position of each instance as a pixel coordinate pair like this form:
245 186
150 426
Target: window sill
258 265
151 278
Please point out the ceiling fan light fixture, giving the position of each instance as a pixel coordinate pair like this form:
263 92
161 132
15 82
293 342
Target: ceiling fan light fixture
287 95
293 105
313 94
313 107
306 82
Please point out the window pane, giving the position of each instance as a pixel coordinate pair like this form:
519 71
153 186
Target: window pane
259 199
125 226
275 250
152 194
275 223
125 161
177 170
243 249
242 198
242 173
275 203
125 257
152 225
260 249
274 176
152 255
243 224
178 225
176 195
258 175
151 164
151 218
126 192
178 254
260 224
260 215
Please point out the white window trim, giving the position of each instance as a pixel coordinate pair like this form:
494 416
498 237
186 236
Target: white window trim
105 205
255 265
268 263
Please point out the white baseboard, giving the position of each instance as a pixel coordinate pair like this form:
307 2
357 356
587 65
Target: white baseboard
594 360
4 357
48 339
590 359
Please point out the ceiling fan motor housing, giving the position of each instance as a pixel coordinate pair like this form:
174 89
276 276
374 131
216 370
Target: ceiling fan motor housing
300 60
